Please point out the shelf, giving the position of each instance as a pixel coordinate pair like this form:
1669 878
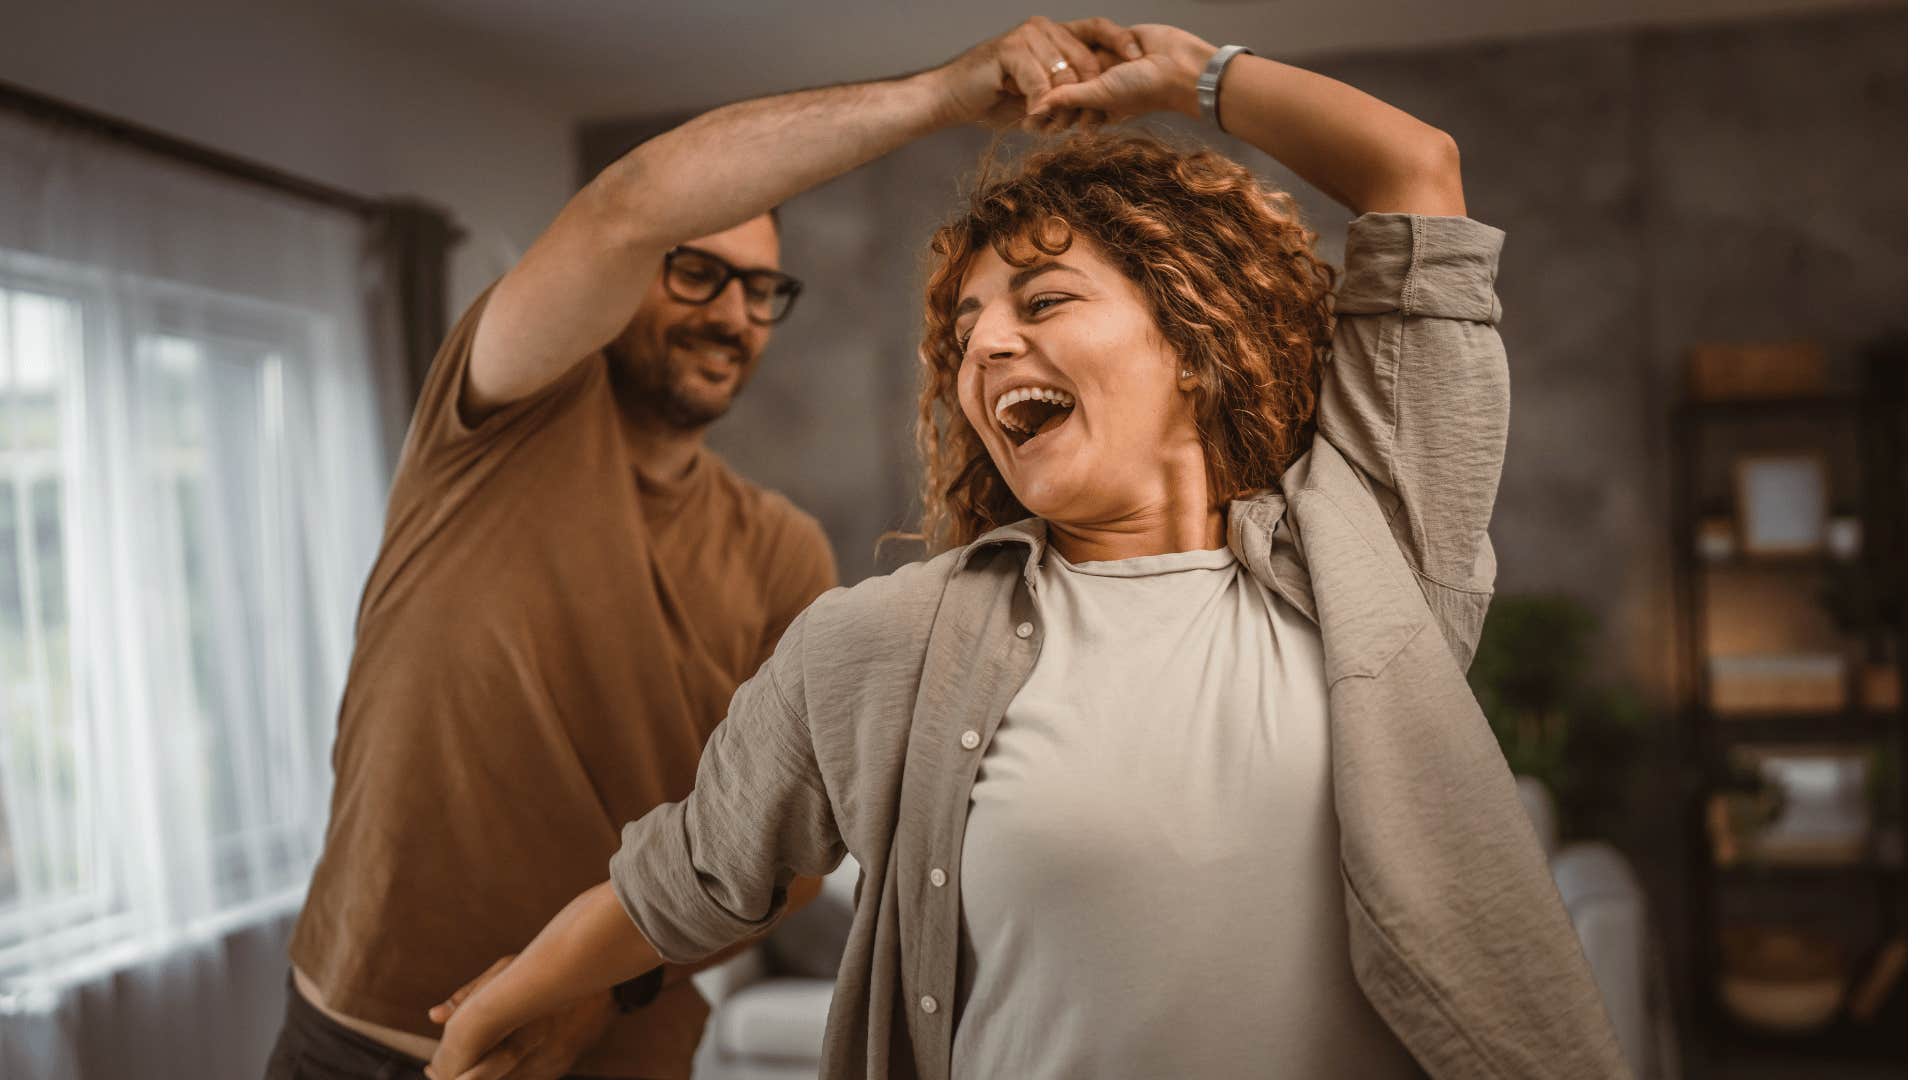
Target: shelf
1839 1041
1823 406
1823 874
1851 726
1863 897
1799 563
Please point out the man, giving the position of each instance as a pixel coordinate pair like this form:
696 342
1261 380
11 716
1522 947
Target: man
569 591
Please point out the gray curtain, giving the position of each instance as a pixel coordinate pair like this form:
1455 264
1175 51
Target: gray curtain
410 243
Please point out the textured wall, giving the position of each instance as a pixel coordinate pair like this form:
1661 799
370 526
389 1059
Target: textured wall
1733 183
1657 188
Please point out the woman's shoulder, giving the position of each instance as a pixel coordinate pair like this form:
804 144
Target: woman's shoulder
862 640
885 606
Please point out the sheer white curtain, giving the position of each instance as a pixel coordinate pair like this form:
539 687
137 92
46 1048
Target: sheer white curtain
191 485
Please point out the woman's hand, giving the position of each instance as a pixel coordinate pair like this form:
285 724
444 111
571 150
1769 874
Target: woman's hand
476 1048
469 1039
1001 81
1164 79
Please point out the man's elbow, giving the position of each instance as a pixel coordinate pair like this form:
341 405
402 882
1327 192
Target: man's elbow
616 210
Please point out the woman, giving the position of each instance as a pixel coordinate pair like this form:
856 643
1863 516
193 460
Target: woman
1167 765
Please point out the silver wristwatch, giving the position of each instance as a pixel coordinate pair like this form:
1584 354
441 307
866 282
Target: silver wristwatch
1209 87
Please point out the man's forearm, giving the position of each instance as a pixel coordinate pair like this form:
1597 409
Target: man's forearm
767 150
579 283
727 165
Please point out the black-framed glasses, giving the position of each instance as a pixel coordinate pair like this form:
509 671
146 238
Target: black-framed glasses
694 276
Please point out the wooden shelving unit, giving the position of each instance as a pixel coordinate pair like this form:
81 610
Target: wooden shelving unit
1866 895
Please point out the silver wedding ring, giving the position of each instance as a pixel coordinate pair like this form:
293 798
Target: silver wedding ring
1058 67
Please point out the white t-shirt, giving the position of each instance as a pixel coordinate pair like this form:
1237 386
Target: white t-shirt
1150 881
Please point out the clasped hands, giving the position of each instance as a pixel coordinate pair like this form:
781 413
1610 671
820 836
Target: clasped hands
542 1050
1046 76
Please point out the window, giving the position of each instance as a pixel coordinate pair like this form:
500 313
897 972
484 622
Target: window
175 603
50 873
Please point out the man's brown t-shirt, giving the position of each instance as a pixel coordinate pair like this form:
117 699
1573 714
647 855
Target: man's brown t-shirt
545 643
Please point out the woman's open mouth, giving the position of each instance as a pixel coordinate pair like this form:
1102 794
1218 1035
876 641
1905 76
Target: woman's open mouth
1028 412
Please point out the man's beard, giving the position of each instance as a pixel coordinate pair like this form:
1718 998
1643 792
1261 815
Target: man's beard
657 385
687 411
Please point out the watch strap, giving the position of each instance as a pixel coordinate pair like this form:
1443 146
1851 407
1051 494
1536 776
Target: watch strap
1209 85
637 993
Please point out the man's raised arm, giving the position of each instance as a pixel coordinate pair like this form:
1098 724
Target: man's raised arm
576 288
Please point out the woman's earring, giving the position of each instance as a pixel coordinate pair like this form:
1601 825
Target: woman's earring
1186 373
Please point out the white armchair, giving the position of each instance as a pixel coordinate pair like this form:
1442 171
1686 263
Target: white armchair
1609 914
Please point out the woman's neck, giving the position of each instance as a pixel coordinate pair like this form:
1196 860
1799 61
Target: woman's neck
1160 531
1171 510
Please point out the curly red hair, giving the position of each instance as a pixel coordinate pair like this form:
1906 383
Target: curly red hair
1227 268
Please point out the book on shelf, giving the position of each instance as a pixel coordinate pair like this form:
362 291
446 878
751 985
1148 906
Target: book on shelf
1747 371
1763 683
1871 993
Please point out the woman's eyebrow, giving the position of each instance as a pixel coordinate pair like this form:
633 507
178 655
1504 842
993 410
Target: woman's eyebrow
1032 272
972 304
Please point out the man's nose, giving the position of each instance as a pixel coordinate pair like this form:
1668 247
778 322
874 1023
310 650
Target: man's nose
730 307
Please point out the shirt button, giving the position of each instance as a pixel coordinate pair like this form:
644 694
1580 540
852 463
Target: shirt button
1024 630
939 877
928 1005
969 739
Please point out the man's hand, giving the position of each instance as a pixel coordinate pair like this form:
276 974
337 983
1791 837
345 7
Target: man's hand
542 1050
1162 80
1002 80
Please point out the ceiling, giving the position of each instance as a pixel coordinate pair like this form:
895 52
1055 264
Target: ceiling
598 59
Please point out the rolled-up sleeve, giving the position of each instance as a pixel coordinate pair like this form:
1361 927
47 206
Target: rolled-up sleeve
1416 397
1414 265
701 874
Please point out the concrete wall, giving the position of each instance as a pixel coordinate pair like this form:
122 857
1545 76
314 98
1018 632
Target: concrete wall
1658 188
307 89
1743 181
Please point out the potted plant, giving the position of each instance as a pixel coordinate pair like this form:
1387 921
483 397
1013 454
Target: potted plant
1584 740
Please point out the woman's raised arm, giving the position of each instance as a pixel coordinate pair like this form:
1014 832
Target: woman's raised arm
1361 151
1416 391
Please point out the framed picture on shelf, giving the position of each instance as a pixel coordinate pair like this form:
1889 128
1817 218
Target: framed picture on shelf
1824 816
1782 504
